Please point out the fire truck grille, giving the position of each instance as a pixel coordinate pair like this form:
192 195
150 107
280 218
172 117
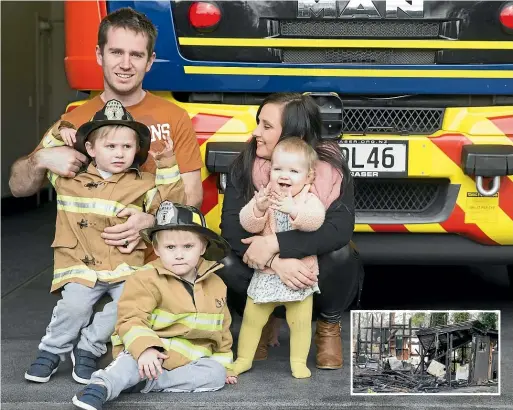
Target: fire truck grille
371 120
359 28
400 195
351 56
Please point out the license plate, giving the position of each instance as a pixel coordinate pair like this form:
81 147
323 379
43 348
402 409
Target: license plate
376 158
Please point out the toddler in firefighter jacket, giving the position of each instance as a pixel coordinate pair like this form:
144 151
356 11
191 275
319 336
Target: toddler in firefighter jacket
173 328
85 267
284 204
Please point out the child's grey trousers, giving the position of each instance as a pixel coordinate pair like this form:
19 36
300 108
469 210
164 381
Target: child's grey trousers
71 317
201 375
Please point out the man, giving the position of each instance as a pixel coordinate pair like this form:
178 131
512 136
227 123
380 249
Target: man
125 51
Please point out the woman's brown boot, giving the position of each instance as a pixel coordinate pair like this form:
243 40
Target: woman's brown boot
263 344
329 345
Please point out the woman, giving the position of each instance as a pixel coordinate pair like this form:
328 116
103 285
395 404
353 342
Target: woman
281 116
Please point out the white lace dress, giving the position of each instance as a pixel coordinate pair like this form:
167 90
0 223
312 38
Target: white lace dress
266 288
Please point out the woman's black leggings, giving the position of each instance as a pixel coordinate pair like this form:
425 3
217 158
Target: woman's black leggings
340 281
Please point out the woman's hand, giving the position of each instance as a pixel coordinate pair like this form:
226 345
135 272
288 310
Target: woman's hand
261 249
294 273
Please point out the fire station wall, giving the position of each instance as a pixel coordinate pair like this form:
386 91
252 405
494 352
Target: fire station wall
28 30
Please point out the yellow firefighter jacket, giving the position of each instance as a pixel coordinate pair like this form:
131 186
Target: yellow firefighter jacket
186 320
87 204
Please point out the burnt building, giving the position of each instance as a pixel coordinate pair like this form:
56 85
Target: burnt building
469 344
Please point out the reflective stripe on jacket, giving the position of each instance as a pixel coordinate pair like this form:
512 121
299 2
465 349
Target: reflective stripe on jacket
158 310
88 203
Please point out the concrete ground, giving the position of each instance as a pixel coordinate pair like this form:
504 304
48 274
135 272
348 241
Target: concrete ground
26 310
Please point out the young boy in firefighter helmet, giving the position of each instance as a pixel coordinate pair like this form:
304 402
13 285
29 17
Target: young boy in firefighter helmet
173 329
85 267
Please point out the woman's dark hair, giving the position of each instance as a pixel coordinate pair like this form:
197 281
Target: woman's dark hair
301 118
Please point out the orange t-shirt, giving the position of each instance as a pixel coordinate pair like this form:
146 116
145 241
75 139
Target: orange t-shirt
163 118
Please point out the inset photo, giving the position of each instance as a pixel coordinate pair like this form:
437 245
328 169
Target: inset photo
425 352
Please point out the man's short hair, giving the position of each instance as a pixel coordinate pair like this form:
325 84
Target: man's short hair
128 19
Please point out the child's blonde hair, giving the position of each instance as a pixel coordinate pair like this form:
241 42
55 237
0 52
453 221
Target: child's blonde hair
297 145
102 132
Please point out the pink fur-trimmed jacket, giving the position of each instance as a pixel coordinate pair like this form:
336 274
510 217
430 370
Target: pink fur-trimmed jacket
310 217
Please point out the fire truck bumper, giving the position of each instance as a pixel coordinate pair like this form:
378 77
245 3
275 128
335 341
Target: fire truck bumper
428 249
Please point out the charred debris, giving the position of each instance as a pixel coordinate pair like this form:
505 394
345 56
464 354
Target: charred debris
398 358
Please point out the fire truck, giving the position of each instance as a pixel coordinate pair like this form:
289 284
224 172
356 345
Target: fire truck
419 95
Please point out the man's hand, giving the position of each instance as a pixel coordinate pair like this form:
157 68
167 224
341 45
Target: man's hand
260 250
193 188
28 173
126 236
285 203
294 273
231 379
150 363
63 161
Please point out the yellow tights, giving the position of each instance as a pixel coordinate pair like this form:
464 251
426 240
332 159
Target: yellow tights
299 319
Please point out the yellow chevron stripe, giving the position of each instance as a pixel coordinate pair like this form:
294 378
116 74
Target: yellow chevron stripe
502 223
414 228
213 217
440 166
345 43
446 166
479 129
474 120
425 228
363 228
231 128
463 120
348 72
219 136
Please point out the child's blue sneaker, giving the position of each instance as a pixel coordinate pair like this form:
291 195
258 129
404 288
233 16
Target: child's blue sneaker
84 365
91 397
43 367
